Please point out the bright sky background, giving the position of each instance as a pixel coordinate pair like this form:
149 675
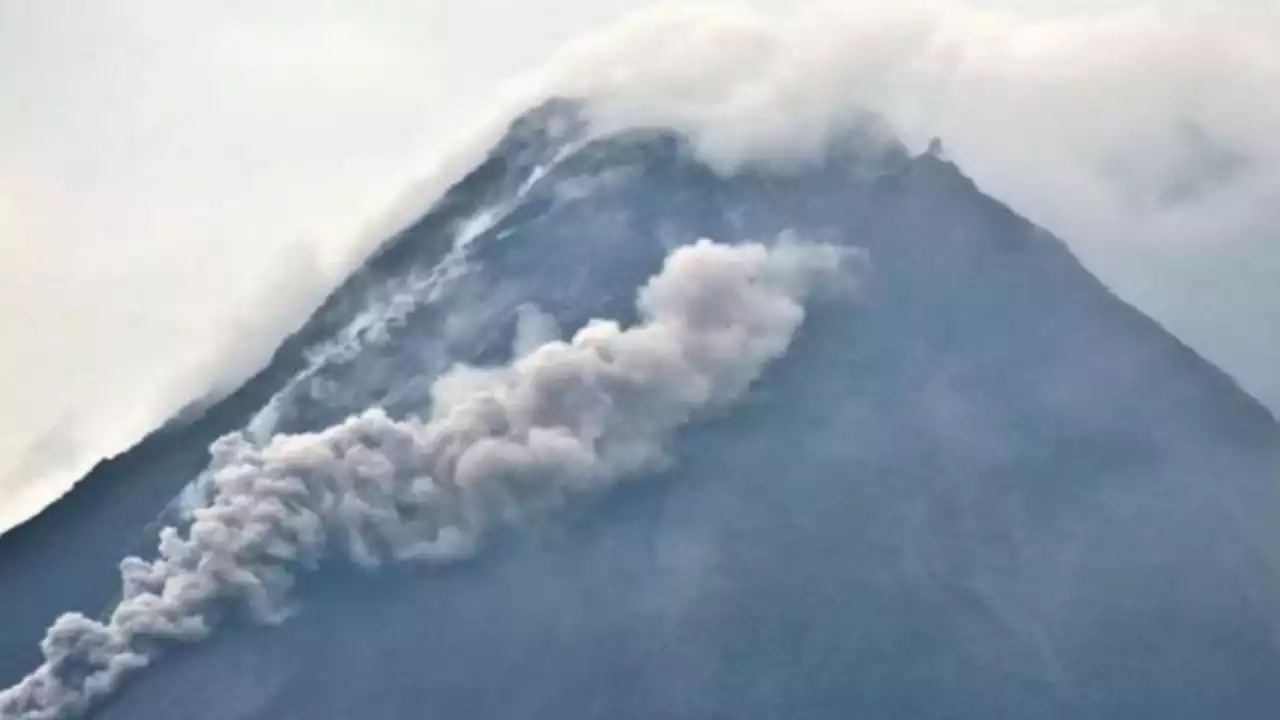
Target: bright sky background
169 172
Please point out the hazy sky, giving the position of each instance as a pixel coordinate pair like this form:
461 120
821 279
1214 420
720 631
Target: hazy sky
172 175
151 154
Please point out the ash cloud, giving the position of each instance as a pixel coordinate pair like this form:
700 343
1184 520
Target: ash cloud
562 420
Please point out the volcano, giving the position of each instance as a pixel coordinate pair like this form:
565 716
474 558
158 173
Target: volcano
977 485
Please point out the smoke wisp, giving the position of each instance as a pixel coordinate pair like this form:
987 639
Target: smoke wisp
562 420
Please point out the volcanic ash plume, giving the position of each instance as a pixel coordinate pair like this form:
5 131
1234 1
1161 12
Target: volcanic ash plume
563 419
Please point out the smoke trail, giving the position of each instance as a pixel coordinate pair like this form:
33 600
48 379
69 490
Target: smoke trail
562 420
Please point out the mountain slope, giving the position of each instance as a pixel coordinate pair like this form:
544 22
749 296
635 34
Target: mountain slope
987 488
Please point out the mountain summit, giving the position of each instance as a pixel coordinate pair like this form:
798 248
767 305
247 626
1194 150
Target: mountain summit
971 483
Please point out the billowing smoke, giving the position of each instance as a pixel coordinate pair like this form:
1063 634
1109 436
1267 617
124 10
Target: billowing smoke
562 420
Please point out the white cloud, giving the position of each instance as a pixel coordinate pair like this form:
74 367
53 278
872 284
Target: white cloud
1141 134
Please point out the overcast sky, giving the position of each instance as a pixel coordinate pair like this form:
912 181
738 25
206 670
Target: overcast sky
173 174
152 152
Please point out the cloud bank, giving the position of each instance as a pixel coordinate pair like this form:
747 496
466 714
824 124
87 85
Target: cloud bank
561 421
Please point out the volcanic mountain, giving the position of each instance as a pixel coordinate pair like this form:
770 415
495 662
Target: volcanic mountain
970 483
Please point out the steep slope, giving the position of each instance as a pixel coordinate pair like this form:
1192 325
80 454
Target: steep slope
987 488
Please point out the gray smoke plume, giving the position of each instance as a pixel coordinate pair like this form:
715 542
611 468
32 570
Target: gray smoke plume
561 420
